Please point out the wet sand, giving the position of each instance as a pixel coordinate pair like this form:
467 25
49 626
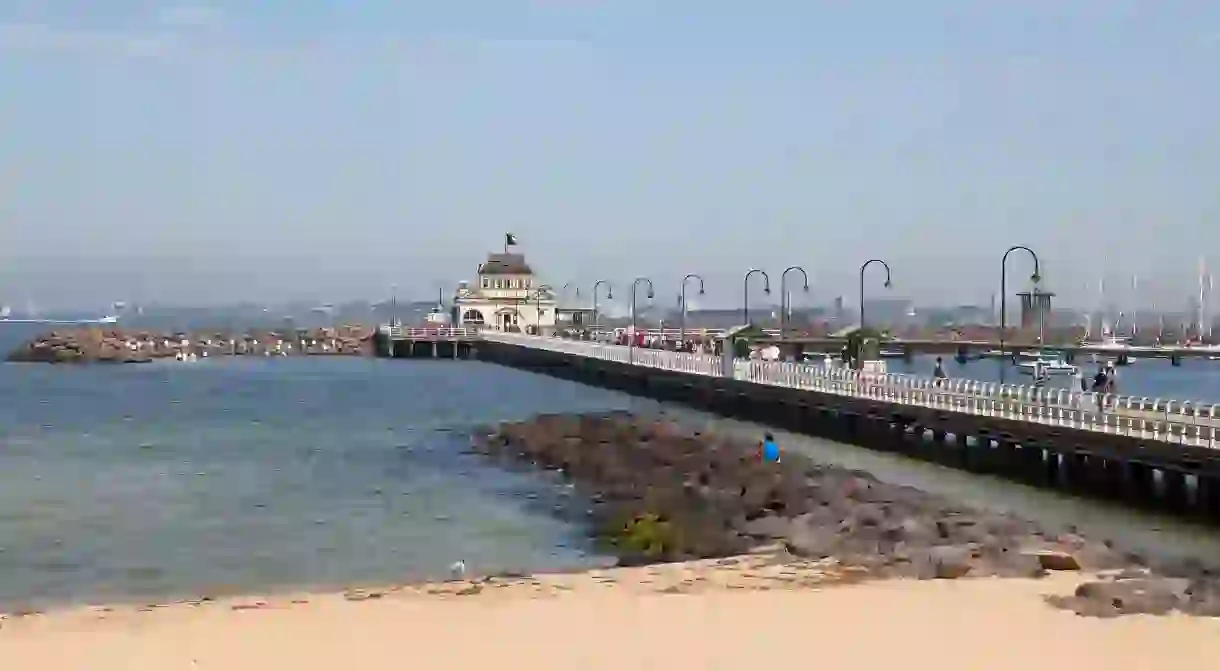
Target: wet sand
746 612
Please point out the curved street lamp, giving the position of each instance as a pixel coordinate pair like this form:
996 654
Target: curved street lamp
784 306
745 299
887 285
682 304
631 340
1035 278
541 291
609 296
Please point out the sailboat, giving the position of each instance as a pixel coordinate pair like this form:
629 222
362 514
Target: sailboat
437 317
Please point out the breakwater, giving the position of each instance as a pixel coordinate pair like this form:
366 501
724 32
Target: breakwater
110 345
660 491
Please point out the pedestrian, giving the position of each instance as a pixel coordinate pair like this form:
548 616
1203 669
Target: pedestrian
1100 382
939 371
770 449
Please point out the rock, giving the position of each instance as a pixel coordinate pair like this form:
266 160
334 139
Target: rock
654 491
1011 564
1153 596
771 526
1053 560
943 562
812 542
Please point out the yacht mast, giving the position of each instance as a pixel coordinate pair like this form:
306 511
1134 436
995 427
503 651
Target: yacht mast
1200 307
1135 310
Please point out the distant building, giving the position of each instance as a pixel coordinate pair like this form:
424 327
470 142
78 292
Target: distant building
506 297
1035 308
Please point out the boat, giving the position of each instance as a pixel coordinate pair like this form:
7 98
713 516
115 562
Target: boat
1047 366
437 317
1125 360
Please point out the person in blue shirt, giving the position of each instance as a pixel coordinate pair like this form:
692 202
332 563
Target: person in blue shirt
770 449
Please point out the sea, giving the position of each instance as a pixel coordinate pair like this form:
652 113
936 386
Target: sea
248 475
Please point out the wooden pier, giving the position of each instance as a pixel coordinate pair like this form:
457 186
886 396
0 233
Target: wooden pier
1157 453
401 342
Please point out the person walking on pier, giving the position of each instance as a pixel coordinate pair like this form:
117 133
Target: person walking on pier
1111 378
1101 384
939 372
770 449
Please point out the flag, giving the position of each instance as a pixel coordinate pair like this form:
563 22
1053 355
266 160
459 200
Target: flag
510 240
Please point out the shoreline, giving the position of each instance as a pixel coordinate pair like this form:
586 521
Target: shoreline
664 490
767 568
109 344
765 607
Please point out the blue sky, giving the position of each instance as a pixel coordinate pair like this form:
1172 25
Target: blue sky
202 153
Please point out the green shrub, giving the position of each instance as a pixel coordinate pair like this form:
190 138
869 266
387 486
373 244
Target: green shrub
646 535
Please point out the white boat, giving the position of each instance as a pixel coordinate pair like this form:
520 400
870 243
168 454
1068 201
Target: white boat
1114 361
437 317
1047 366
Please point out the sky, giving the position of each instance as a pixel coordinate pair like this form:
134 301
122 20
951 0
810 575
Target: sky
323 150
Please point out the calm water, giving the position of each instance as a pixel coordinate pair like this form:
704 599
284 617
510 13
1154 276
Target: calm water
246 474
239 474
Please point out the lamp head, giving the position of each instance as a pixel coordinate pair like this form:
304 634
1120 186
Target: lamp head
767 290
610 293
700 291
1035 278
650 294
888 284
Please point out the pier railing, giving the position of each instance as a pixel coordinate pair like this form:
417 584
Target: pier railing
1164 420
445 332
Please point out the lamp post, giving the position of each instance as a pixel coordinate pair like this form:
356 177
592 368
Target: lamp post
887 285
1004 294
682 305
563 291
745 300
541 291
631 341
784 306
393 305
609 296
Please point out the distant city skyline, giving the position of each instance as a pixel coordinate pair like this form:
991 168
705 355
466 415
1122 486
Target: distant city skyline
204 152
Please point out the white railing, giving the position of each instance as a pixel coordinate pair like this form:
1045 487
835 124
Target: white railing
679 362
404 332
1154 419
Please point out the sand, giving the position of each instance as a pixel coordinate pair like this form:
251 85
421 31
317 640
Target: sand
744 613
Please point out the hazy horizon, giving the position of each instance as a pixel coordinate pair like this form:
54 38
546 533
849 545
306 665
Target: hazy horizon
212 152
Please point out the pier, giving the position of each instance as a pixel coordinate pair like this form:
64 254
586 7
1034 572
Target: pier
1155 453
458 342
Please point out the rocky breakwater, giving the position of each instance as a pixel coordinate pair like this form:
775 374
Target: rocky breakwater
656 491
98 345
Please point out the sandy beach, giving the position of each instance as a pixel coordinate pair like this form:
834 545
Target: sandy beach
735 613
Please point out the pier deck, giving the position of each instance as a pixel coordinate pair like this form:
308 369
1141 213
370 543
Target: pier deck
1158 453
1153 419
442 342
